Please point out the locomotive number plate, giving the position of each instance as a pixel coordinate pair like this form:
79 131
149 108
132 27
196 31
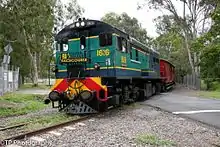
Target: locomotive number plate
74 60
123 60
65 58
103 52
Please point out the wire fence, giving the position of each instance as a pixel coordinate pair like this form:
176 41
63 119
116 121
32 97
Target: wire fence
9 80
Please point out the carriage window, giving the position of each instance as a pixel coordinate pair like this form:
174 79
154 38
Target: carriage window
105 39
83 42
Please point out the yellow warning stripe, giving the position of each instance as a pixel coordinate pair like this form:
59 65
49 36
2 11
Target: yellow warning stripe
97 80
58 81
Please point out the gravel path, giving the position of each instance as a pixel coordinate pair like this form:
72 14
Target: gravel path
121 128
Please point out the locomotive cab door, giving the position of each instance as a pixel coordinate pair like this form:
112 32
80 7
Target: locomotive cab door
122 56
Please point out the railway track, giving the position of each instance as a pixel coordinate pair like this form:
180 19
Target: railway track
13 126
43 130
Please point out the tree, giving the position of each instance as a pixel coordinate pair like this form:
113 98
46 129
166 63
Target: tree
209 44
127 24
170 43
66 13
192 24
29 25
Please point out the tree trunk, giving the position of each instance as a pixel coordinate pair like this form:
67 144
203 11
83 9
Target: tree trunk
33 59
189 53
35 70
39 64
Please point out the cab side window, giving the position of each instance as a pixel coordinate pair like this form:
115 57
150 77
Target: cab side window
82 42
122 44
136 55
105 39
131 52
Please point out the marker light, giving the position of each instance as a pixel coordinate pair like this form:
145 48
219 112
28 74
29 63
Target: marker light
97 66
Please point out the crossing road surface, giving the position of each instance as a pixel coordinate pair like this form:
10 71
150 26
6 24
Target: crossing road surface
201 109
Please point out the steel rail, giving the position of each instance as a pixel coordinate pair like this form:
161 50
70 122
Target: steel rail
46 129
14 126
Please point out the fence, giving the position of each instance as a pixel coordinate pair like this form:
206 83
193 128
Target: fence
192 81
8 80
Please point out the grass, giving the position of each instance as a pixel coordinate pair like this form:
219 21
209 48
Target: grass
214 91
43 121
209 94
36 123
147 139
17 104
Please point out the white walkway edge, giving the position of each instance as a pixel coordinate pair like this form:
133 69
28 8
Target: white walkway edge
198 111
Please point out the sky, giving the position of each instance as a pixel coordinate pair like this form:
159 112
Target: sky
95 9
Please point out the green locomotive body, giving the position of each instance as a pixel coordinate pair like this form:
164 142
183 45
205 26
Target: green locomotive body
112 67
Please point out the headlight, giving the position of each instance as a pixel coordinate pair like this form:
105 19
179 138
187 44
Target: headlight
86 95
77 24
54 96
83 24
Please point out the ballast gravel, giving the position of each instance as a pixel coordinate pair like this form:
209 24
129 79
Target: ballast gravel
120 128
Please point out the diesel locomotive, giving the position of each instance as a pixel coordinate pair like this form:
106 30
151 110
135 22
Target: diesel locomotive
99 66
